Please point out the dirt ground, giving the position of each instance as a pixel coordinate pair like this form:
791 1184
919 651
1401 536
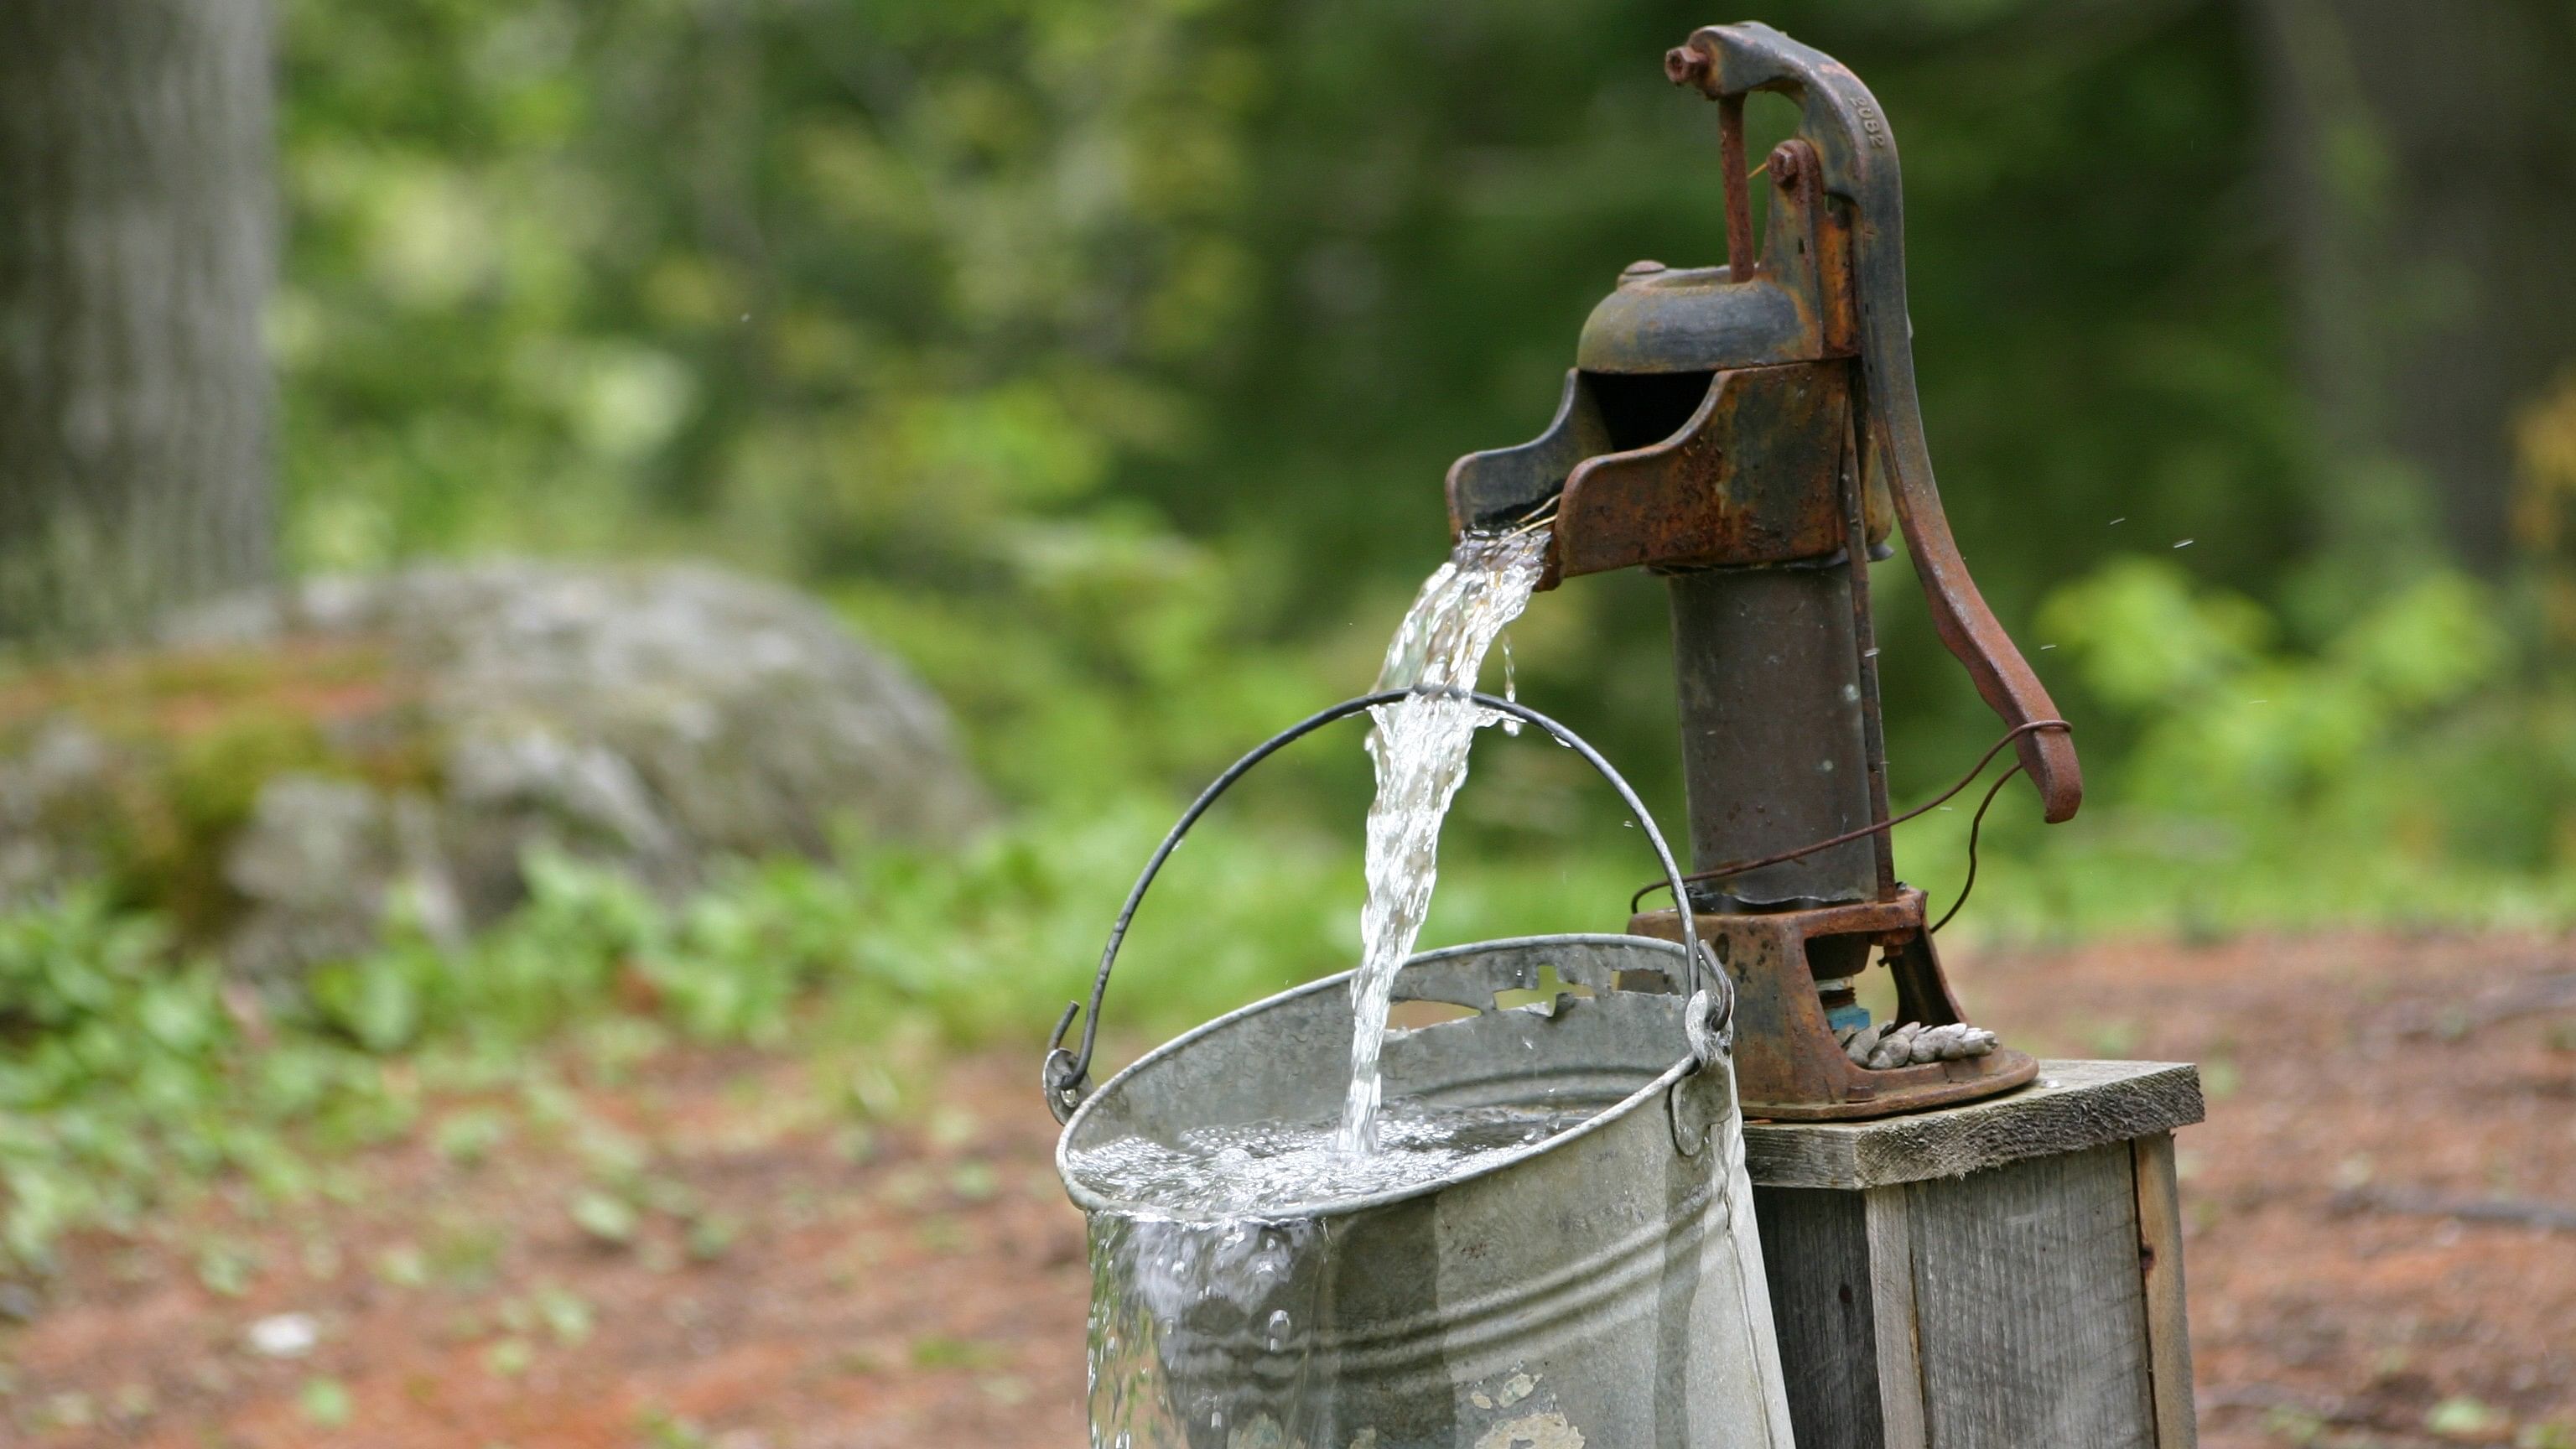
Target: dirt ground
2381 1246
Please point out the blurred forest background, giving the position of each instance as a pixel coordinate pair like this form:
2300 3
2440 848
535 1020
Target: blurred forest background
1104 362
1101 359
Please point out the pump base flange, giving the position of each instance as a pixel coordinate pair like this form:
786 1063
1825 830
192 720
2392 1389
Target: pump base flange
1788 1066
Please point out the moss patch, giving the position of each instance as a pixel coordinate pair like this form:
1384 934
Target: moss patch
189 739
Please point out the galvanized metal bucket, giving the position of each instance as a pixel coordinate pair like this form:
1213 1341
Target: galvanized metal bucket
1601 1288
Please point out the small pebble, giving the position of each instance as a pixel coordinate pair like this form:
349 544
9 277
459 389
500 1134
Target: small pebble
1941 1043
1862 1043
1883 1046
1896 1048
284 1335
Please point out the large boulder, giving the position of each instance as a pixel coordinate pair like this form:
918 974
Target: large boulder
332 742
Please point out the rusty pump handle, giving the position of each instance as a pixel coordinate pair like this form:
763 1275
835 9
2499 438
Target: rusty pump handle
1856 155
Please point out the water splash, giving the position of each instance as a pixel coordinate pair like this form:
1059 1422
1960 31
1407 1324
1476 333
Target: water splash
1419 746
1264 1169
1197 1333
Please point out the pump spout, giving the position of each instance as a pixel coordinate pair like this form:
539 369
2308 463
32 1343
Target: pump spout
1736 468
1503 487
1708 412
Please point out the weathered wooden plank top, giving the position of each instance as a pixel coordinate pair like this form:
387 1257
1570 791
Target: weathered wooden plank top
2074 1105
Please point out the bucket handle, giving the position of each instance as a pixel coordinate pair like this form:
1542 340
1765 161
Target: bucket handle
1709 1018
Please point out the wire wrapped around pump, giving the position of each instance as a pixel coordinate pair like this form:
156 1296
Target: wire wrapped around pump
1744 867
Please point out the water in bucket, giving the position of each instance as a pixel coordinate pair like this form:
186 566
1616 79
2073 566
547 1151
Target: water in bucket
1526 1225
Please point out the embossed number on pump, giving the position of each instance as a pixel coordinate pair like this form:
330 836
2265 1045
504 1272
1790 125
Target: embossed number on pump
1869 125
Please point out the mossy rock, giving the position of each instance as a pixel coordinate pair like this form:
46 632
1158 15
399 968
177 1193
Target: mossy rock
286 763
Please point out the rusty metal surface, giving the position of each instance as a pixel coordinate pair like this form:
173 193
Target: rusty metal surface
1739 200
1774 747
1491 489
1865 639
1749 479
1696 319
1781 308
1855 156
1788 1066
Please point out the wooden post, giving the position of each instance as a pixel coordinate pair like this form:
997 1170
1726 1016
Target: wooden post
2001 1275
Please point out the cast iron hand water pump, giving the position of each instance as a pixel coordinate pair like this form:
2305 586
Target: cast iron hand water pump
1747 431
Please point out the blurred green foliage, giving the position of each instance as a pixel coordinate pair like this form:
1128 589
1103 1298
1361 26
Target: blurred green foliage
2397 772
1103 358
887 298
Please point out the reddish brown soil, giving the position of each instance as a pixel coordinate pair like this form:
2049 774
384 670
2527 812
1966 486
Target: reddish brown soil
930 1289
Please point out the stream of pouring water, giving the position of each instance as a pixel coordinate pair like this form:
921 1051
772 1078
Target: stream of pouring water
1420 746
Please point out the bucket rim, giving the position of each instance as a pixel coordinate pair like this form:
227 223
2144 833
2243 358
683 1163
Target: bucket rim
1092 1201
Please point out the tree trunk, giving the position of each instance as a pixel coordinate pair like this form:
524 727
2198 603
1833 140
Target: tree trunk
2426 170
135 258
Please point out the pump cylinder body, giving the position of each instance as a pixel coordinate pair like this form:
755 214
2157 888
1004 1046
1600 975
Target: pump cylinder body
1774 745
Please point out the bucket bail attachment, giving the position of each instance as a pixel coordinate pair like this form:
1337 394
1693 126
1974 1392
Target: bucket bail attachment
1065 1075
